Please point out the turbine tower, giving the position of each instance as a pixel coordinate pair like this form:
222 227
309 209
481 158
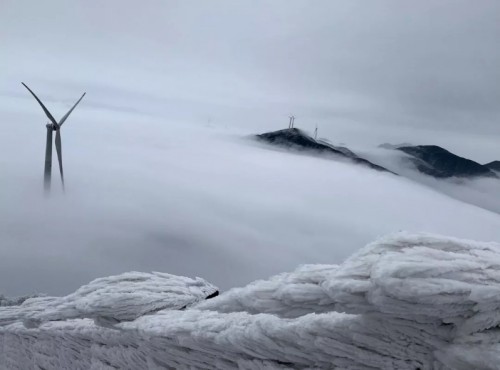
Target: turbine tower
53 125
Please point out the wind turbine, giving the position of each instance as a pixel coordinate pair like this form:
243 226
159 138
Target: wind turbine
53 125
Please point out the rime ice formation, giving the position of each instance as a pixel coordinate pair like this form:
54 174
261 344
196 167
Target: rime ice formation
403 302
113 299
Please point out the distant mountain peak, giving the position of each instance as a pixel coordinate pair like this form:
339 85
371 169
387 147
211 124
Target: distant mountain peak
438 162
295 138
495 165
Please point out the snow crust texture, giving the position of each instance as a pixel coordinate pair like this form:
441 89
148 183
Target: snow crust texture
405 301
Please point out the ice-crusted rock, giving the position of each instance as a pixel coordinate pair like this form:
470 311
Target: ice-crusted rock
447 279
404 302
113 299
448 286
31 306
211 340
287 295
15 301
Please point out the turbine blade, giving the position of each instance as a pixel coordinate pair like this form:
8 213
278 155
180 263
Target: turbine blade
59 154
71 110
47 113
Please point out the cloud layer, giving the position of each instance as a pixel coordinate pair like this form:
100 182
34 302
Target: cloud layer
147 194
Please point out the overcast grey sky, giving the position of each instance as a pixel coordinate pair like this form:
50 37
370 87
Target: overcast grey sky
365 71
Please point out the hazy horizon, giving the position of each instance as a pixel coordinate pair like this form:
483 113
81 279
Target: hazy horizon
365 73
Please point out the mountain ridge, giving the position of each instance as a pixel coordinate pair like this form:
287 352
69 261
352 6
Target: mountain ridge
298 139
494 165
438 162
431 160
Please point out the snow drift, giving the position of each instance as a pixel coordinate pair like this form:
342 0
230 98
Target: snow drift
404 302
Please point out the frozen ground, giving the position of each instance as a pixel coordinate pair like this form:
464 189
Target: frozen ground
404 302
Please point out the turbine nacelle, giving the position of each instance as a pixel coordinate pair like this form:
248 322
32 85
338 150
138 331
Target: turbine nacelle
51 126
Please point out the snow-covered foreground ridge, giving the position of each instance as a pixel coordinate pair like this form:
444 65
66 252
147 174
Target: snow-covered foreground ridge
403 302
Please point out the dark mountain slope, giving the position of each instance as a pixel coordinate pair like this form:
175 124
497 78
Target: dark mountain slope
440 163
299 140
495 165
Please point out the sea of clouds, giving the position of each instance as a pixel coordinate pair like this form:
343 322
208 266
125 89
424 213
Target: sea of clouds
148 193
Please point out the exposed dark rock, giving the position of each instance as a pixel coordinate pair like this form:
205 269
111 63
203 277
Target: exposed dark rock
213 295
299 140
438 162
16 301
